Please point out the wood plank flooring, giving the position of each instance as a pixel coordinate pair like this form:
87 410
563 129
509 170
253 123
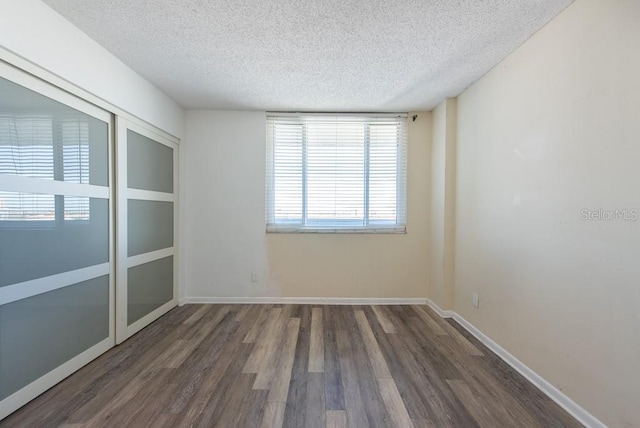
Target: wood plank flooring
295 366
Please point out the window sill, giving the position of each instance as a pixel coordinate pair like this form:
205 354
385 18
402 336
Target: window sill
400 230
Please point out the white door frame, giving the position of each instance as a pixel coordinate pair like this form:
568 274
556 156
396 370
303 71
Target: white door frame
34 287
124 262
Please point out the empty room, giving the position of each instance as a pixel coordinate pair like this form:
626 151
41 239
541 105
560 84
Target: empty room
332 213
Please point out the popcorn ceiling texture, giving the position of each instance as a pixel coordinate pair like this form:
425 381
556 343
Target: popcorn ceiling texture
322 55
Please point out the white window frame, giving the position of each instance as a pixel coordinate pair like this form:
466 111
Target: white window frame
368 227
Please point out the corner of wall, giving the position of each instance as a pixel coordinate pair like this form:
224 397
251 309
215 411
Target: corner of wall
442 197
426 117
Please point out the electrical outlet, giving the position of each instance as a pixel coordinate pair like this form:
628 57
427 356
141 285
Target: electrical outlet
254 277
475 300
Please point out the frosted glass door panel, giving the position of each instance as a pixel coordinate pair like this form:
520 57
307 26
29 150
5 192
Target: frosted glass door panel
150 226
56 286
150 286
40 333
43 138
149 164
42 235
145 288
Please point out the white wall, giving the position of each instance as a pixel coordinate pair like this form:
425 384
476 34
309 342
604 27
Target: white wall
224 223
553 130
223 203
35 32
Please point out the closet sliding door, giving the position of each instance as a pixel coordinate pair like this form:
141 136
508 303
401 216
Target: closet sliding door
56 241
147 219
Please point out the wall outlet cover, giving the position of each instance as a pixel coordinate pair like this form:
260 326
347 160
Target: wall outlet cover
475 300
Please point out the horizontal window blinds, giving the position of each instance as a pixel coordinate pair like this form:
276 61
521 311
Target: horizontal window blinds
40 146
339 173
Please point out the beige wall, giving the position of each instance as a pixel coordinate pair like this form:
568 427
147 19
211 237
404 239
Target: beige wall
442 206
363 265
552 130
223 224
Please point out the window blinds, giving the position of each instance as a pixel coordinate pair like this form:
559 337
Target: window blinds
336 173
40 146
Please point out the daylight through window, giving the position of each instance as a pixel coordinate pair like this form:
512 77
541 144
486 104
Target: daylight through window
336 173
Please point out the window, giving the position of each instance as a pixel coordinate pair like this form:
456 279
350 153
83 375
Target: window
336 173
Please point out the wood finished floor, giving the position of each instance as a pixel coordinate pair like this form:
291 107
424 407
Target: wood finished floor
295 366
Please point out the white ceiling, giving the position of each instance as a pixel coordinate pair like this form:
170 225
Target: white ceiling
314 55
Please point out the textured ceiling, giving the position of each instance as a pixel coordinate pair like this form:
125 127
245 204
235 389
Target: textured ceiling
322 55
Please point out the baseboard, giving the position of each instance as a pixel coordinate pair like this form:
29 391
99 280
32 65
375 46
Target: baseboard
438 310
307 300
574 409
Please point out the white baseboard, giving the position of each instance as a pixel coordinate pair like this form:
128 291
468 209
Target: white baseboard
574 409
438 310
307 300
